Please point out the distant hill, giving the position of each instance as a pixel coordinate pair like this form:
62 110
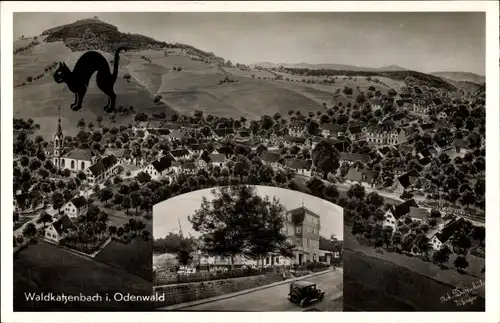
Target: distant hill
461 77
337 67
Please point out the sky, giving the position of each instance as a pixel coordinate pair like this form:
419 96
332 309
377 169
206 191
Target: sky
168 214
421 41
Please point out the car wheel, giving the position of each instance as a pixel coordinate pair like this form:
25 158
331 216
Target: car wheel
303 302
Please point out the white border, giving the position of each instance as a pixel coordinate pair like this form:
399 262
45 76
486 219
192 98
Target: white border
492 156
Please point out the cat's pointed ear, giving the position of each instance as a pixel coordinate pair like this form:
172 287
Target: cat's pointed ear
60 64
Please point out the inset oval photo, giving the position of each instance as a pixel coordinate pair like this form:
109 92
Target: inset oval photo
248 248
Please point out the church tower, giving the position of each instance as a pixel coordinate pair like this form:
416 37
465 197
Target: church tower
58 142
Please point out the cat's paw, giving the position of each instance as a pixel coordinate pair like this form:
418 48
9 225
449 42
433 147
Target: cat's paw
76 107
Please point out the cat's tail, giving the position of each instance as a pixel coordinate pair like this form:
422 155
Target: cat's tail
117 59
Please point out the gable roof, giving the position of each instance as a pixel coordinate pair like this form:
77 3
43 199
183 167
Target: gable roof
119 153
446 233
79 201
103 165
170 126
409 178
427 126
179 134
403 208
163 163
298 140
217 158
223 131
298 125
270 156
81 154
418 213
364 175
298 163
354 129
329 245
63 224
179 152
354 157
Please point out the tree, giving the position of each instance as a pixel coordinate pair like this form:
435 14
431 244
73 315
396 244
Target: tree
143 177
441 256
461 263
105 195
81 124
241 166
57 200
29 230
126 203
44 218
238 221
374 199
356 191
325 158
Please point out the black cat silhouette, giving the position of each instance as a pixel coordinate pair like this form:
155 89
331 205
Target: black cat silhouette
78 79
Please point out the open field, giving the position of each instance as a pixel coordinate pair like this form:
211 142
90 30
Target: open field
43 267
396 288
136 257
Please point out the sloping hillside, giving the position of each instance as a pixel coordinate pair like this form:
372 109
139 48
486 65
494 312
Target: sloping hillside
461 77
182 77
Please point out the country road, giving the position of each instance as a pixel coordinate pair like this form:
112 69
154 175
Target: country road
275 298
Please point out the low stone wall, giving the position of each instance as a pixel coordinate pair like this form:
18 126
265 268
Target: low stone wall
181 293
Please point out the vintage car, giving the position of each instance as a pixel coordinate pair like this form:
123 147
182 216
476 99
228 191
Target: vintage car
304 293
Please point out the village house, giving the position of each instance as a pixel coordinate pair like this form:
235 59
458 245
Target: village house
363 177
395 213
351 158
398 136
290 141
405 181
340 143
297 129
441 145
196 149
124 156
177 134
354 132
101 170
271 158
461 146
76 207
223 133
159 168
376 136
443 236
180 154
59 229
28 202
299 166
419 214
420 109
398 118
140 126
426 128
332 130
329 252
217 160
376 104
384 151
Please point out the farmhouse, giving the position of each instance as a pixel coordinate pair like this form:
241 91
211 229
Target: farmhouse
300 166
403 182
59 229
28 202
102 170
392 216
350 158
363 177
76 207
159 168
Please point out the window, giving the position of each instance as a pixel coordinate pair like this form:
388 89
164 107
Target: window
82 165
314 257
63 162
298 229
308 243
72 164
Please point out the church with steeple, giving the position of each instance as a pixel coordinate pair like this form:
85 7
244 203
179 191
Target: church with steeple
75 160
